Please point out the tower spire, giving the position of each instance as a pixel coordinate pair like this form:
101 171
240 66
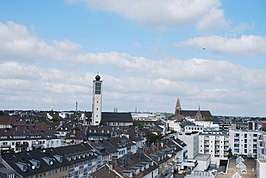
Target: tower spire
178 107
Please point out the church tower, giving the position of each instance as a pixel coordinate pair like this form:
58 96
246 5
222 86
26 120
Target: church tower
178 107
97 101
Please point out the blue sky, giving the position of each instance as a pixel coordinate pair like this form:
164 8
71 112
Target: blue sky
208 53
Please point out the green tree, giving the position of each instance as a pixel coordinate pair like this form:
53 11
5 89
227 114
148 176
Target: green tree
103 122
230 154
153 138
140 125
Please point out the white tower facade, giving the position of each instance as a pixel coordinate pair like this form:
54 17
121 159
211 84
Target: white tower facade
97 101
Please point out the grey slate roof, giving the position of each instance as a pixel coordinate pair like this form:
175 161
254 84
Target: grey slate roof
48 160
104 172
114 116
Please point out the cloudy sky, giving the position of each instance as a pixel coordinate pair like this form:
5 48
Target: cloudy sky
208 53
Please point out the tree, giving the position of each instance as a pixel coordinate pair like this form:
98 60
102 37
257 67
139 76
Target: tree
230 154
152 138
140 125
103 122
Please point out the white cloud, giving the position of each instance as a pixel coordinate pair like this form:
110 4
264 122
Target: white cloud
153 84
17 41
213 21
244 45
161 14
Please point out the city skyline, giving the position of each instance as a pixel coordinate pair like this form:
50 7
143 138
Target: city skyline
207 53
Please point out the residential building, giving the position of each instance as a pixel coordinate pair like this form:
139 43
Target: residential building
244 142
16 141
261 149
135 166
192 142
164 157
216 144
260 168
82 159
47 163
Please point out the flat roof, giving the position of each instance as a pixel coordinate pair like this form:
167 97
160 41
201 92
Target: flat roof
202 157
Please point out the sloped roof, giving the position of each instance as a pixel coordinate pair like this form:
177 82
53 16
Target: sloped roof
74 149
114 116
239 159
193 113
8 120
104 172
236 175
180 142
24 158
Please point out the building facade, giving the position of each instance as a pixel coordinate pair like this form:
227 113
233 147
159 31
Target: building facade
244 142
216 144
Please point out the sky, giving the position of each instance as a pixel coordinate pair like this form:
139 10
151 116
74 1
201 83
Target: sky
208 53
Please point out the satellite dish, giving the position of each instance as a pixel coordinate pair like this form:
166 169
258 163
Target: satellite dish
51 162
33 167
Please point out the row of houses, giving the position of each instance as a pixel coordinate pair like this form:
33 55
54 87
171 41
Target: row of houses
120 156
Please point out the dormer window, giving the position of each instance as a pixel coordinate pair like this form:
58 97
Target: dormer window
22 166
59 158
49 161
35 163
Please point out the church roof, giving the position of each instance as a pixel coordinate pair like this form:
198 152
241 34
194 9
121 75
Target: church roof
192 113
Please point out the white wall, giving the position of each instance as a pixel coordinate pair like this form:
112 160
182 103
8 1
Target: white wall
261 167
192 141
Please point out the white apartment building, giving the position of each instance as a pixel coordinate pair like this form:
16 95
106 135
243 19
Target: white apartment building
244 142
261 150
260 168
192 142
216 144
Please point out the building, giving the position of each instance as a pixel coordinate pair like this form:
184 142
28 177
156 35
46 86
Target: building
198 115
244 142
97 101
216 144
16 141
256 125
260 168
261 149
82 159
204 161
192 142
47 163
113 118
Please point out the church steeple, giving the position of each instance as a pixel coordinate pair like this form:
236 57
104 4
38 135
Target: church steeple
198 115
178 107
